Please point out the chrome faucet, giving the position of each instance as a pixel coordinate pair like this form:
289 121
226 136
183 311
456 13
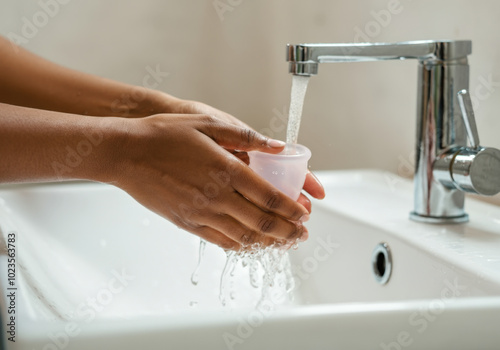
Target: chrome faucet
446 166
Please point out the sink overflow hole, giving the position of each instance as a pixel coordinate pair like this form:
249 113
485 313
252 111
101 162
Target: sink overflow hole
382 263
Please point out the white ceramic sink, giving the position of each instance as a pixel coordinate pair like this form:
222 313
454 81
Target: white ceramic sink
97 270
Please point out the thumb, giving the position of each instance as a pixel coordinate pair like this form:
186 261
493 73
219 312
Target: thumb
243 138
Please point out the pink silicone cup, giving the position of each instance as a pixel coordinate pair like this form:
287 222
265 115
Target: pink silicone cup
286 170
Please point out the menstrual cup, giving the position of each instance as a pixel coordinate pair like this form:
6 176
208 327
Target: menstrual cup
286 170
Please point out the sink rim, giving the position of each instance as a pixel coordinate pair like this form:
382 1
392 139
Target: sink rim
365 316
297 313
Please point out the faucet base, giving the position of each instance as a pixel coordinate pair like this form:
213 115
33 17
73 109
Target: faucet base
439 220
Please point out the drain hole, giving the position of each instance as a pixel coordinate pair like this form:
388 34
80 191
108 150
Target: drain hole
382 263
380 271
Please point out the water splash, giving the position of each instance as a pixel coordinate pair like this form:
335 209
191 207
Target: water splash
269 269
255 277
195 277
224 289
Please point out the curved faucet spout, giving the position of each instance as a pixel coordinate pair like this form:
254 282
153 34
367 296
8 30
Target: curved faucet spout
445 166
304 58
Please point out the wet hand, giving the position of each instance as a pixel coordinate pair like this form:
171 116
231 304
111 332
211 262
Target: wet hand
314 188
311 185
179 167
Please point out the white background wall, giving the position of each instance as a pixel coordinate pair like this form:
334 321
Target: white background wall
355 115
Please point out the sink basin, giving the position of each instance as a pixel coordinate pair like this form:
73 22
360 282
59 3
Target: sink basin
97 270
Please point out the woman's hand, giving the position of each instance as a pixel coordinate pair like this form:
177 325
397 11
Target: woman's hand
186 166
178 166
311 185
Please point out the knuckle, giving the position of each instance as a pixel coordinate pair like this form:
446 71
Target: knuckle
248 135
233 168
186 215
213 198
187 107
267 223
210 120
297 215
273 200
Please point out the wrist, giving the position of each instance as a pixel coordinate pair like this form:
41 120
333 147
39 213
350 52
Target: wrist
105 139
144 102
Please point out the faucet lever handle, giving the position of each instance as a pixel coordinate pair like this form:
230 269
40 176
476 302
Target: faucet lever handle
465 103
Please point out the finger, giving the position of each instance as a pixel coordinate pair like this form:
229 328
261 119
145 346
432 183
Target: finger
266 196
195 107
303 238
243 156
237 232
260 221
290 244
238 137
216 237
305 202
313 186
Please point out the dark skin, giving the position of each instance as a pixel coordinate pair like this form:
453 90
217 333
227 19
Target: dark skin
160 149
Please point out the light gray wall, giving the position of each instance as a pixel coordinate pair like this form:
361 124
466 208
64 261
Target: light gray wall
355 115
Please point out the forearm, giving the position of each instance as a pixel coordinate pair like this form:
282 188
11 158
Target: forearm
167 162
37 145
31 81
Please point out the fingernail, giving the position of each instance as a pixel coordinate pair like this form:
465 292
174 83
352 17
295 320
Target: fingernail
304 218
275 143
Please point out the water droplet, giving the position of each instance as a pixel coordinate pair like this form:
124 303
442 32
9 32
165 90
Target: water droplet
195 277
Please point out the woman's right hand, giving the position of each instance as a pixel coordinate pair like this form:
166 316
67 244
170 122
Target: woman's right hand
181 167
